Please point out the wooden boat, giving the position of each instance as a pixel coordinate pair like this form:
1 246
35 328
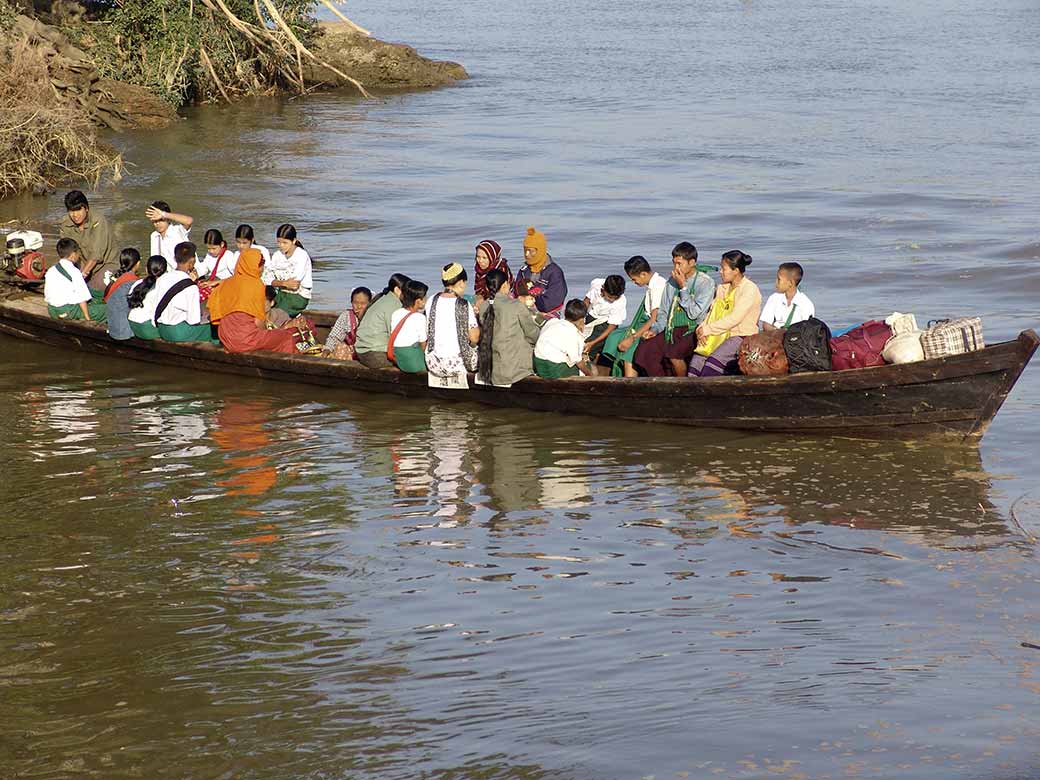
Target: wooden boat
955 396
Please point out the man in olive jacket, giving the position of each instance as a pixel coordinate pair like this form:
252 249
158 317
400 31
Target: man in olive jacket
94 236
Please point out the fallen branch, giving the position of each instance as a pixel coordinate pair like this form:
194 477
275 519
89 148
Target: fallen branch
328 4
213 73
280 22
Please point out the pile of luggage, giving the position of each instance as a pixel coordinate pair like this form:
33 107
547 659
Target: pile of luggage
809 346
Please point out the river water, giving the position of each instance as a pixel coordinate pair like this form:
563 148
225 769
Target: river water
210 577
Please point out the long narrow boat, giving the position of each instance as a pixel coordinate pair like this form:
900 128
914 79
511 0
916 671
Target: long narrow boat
956 397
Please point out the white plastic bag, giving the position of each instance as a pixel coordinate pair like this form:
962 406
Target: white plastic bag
901 323
904 348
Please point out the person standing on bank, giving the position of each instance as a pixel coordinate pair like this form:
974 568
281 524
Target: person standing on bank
540 283
289 272
93 234
178 314
171 229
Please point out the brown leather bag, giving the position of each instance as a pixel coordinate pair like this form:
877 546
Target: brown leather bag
763 354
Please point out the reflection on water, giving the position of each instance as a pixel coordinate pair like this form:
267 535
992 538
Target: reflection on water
265 581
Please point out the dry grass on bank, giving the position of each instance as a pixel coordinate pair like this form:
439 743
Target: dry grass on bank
43 140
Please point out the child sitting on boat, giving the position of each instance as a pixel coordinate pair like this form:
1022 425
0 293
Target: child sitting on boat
559 352
244 241
217 265
620 346
290 272
171 229
143 299
178 314
65 290
276 318
407 343
608 308
788 304
116 295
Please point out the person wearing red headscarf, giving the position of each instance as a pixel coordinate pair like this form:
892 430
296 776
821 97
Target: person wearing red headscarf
237 305
489 257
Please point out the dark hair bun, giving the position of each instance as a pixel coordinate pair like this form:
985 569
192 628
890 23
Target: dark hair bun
747 259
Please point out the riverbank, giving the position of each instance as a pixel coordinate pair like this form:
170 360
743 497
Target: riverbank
56 80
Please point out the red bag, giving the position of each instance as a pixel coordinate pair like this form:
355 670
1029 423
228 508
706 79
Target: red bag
860 347
763 354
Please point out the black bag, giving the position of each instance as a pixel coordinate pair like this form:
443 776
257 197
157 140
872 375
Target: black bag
808 346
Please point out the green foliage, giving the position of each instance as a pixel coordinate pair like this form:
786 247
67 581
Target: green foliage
159 45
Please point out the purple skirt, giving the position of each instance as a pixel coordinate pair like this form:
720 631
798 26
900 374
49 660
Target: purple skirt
722 361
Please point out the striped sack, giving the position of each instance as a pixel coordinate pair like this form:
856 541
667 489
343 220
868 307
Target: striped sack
952 337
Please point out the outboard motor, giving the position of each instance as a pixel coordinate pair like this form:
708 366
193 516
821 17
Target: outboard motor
23 257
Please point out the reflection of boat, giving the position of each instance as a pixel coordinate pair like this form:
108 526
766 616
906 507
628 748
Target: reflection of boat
956 395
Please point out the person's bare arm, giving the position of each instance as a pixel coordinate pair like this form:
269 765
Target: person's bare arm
184 219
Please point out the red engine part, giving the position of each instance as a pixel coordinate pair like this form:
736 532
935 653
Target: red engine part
31 267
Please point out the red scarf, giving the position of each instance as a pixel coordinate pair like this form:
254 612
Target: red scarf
129 276
494 252
204 292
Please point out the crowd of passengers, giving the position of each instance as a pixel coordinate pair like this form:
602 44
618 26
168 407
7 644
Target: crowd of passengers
512 325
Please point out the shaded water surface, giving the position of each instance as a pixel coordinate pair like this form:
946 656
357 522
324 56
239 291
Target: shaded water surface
241 579
209 577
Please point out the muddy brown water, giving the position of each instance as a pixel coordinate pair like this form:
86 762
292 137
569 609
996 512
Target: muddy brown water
211 577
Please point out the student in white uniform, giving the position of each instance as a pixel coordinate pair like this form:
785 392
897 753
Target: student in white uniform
607 310
788 304
219 262
178 314
143 299
65 290
620 347
561 344
244 241
171 229
289 272
408 330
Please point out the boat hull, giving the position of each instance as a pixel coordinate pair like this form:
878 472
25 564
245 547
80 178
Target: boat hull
955 396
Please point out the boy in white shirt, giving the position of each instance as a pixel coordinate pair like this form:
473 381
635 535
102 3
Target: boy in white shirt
561 344
787 305
65 290
178 314
607 307
619 349
171 229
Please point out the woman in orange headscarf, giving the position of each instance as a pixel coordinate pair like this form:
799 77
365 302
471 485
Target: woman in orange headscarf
237 305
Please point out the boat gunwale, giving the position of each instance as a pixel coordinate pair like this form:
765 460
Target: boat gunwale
996 357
